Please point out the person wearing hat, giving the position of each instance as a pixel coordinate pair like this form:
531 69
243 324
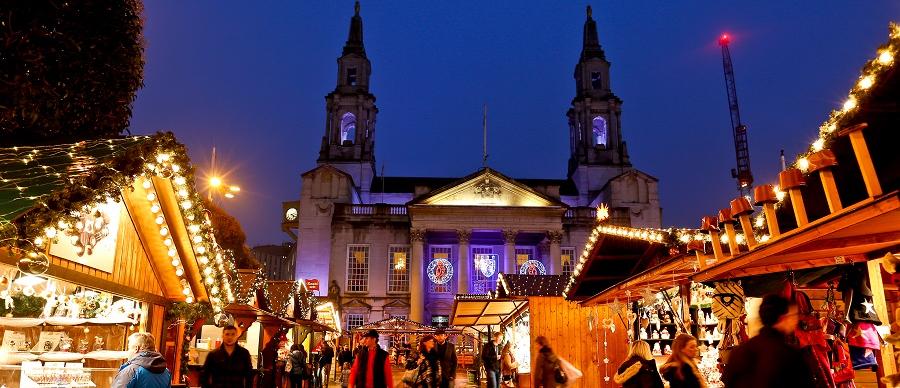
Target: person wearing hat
371 367
446 353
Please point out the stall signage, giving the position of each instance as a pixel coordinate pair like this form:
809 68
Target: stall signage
312 284
91 241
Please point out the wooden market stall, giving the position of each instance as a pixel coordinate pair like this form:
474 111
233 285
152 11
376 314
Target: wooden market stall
99 238
834 215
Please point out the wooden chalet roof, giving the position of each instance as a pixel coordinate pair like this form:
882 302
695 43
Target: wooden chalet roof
513 285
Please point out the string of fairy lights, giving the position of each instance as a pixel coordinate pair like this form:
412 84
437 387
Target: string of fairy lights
872 72
46 188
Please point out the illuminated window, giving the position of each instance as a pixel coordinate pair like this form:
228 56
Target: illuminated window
596 82
568 261
600 131
351 76
440 270
348 128
398 268
523 255
354 321
357 268
485 263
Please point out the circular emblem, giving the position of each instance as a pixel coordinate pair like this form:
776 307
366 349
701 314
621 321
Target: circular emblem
291 214
487 265
532 267
440 271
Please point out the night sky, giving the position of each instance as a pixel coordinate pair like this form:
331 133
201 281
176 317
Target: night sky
251 81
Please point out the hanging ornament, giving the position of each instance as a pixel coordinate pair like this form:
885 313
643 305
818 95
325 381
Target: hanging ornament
223 319
440 271
532 267
487 264
34 263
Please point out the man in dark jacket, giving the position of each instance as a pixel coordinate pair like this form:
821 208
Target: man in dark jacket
767 360
146 368
446 352
229 366
325 362
490 359
371 366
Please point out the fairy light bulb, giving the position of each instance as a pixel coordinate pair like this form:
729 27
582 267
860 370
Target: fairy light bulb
163 231
172 252
189 299
147 184
866 82
179 180
179 271
818 145
849 104
159 220
885 58
154 208
151 197
803 164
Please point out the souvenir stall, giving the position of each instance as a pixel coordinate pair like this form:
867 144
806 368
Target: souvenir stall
99 238
397 333
527 306
827 235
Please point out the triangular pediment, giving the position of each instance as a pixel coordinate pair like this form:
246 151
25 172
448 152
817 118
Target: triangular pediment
356 303
486 188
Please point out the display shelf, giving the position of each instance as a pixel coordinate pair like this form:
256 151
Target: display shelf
60 321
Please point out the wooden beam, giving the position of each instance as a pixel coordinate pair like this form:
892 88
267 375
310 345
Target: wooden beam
888 362
864 159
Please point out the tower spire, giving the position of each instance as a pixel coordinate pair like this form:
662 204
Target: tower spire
591 44
354 43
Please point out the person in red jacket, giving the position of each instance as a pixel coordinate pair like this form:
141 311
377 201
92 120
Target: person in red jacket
371 367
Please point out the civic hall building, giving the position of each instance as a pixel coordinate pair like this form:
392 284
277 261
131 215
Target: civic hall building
386 246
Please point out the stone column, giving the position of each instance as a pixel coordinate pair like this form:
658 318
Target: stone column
416 285
462 279
555 236
509 251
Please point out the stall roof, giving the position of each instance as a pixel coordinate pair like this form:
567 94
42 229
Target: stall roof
400 325
843 237
483 310
611 260
667 274
511 285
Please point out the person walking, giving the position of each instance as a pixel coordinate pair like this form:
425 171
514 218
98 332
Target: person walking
344 357
229 365
146 368
545 365
490 359
639 370
429 374
325 363
680 369
297 359
371 366
508 366
767 360
446 353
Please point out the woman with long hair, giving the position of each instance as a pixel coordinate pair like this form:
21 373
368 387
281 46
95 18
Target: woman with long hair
639 370
508 366
680 369
297 360
429 375
545 365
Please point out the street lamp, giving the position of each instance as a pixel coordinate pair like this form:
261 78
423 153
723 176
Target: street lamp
217 184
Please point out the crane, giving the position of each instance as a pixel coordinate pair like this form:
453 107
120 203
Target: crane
739 130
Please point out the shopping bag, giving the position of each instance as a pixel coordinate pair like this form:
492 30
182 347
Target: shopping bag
410 376
572 373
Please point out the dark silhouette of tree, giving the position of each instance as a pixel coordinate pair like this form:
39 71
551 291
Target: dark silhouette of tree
230 235
69 71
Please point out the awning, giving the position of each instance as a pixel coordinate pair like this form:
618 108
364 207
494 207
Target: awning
847 236
611 260
668 274
482 310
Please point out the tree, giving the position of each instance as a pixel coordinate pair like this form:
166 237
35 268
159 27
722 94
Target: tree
69 71
230 235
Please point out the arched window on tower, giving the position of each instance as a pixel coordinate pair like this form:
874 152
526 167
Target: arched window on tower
600 132
348 128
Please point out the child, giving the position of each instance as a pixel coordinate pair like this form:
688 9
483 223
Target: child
345 375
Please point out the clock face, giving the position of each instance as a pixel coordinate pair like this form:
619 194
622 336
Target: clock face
291 214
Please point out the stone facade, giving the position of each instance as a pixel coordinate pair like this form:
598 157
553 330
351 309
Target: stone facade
398 246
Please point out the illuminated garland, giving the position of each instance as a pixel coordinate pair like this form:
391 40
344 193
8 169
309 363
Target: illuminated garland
56 183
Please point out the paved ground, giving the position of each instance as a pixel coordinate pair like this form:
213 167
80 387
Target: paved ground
398 374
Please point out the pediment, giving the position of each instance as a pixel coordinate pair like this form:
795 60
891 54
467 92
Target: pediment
356 303
397 303
486 188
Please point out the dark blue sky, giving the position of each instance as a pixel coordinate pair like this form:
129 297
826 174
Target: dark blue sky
250 79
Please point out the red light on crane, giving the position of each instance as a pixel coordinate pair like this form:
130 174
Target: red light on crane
724 39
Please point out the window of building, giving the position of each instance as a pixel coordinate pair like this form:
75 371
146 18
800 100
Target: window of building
522 255
484 276
398 269
354 321
600 131
351 76
567 257
620 216
440 270
348 128
596 82
357 268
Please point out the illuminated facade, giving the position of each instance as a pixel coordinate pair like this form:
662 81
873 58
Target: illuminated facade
402 246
